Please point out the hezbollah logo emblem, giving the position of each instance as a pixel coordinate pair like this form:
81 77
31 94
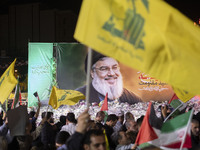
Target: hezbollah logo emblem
130 24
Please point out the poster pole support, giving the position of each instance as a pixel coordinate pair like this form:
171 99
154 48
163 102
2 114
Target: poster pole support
88 76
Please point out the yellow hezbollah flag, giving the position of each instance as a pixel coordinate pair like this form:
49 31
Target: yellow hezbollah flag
148 35
7 82
60 97
183 95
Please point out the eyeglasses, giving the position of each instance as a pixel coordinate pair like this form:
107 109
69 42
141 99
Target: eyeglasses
105 69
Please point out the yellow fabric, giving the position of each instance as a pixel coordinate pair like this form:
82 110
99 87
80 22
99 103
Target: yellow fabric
60 97
7 82
183 95
106 139
150 36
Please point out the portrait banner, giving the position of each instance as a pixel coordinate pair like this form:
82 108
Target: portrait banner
145 35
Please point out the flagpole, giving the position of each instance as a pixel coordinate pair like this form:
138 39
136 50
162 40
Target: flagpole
6 105
88 76
47 111
173 112
188 124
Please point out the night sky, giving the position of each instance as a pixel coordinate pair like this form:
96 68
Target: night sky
191 8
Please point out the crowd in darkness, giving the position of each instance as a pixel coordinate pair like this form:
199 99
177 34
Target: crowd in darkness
82 133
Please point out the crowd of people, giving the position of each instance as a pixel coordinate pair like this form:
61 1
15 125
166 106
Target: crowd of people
106 131
114 132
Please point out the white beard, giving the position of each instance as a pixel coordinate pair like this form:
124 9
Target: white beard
103 87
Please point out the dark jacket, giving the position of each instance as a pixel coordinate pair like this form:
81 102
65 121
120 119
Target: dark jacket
109 132
26 141
195 142
48 135
75 141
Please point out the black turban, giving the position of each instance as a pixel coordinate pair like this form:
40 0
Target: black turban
95 57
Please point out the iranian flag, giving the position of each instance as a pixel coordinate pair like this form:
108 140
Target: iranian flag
173 134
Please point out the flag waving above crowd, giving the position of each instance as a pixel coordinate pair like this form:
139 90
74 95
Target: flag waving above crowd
145 35
7 82
174 133
60 97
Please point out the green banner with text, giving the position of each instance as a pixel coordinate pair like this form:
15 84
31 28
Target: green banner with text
40 70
